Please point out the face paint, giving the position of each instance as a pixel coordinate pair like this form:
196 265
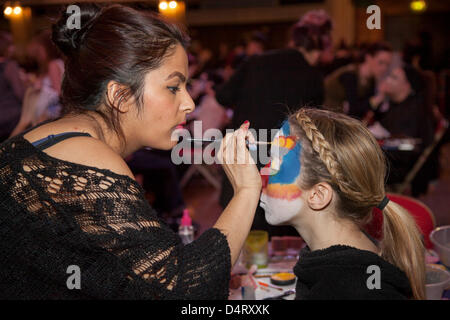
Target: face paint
280 198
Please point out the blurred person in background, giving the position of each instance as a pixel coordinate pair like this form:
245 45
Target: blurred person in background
267 85
406 116
12 88
255 45
336 58
352 89
232 60
41 101
201 57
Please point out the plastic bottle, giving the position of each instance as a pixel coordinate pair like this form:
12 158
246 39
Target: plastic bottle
186 230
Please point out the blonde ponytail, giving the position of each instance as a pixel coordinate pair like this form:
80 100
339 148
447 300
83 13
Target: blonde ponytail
402 246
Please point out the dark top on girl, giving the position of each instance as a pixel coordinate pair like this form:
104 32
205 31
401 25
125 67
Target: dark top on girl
342 272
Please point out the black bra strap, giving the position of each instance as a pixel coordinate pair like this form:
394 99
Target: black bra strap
54 139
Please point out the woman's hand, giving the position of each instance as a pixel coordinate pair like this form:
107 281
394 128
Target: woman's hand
237 162
236 219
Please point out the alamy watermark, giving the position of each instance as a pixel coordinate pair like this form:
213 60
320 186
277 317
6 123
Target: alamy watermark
74 280
374 280
74 20
374 20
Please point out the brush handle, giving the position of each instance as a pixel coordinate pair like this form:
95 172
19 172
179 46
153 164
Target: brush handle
211 140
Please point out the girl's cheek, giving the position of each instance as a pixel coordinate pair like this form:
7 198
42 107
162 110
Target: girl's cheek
288 192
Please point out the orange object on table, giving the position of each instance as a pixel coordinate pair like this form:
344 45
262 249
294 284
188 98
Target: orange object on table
268 285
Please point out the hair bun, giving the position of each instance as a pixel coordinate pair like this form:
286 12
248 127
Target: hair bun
67 39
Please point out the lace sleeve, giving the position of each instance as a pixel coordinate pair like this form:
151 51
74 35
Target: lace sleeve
146 254
56 214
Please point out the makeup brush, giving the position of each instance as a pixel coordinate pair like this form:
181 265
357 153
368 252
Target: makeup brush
214 140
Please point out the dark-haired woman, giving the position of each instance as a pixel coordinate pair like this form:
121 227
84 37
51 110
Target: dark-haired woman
74 222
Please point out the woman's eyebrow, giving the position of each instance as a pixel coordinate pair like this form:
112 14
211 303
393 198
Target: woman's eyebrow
177 74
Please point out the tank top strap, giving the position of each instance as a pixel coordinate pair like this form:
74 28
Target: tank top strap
53 139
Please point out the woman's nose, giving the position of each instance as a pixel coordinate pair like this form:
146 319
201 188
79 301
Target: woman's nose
188 106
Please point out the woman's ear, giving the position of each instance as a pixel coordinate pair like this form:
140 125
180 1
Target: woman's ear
117 95
319 196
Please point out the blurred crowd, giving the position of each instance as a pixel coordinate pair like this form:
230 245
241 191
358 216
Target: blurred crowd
398 94
30 83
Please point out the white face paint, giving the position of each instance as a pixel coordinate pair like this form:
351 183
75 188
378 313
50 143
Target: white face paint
281 196
280 211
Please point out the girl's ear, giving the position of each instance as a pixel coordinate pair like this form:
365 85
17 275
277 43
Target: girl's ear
319 196
118 96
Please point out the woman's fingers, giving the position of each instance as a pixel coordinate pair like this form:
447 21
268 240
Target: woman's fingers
233 149
241 150
237 161
230 149
223 147
249 136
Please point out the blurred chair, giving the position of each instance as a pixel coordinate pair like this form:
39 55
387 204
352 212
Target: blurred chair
439 133
211 173
419 211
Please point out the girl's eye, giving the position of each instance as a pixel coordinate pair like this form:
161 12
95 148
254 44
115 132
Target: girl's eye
174 89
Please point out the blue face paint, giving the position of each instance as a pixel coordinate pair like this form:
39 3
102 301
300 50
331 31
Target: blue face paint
285 162
281 196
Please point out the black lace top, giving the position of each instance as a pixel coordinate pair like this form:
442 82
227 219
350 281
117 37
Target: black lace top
55 214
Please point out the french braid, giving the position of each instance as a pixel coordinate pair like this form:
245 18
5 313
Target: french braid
328 157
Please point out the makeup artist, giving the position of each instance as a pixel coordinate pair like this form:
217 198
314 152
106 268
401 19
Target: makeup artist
67 198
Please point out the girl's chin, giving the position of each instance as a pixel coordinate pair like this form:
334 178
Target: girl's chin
270 220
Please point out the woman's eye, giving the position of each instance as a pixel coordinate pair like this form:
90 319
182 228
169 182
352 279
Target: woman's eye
174 89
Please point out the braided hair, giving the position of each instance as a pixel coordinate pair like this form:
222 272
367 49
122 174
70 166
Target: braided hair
341 151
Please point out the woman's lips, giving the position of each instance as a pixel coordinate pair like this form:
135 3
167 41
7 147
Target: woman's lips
180 126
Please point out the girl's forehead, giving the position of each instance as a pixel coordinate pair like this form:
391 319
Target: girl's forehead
285 128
